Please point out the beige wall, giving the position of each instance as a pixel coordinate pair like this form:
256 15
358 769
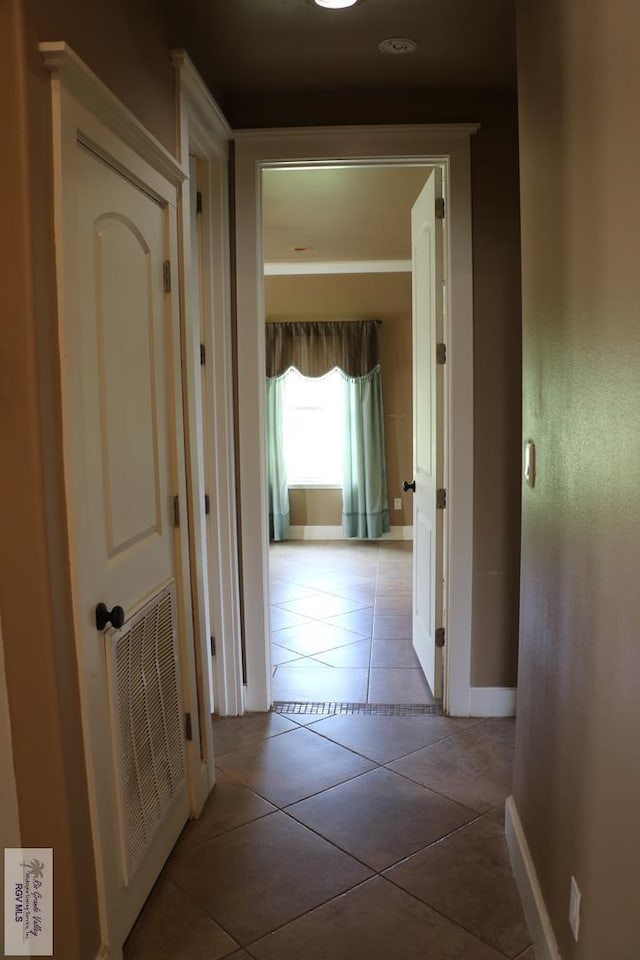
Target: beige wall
385 297
577 776
315 508
125 42
497 404
128 48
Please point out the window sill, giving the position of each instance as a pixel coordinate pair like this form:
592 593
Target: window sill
309 485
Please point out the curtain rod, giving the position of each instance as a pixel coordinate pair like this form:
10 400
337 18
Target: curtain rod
353 320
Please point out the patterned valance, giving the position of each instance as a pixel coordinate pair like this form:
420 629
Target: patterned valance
316 347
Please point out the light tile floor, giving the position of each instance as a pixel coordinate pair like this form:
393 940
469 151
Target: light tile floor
344 837
341 623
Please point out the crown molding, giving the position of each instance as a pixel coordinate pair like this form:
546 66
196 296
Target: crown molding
74 76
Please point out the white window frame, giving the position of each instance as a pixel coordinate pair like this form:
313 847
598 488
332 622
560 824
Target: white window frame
311 482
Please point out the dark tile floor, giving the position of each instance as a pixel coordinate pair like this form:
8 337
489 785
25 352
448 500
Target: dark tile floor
341 623
344 838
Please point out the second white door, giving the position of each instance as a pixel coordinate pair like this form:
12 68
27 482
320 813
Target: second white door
426 247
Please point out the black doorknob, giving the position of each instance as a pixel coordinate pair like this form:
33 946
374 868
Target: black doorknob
104 616
409 486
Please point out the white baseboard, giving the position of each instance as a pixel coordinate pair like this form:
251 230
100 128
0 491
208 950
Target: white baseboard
335 533
492 701
535 910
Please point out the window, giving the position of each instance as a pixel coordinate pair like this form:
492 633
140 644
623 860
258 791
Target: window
313 429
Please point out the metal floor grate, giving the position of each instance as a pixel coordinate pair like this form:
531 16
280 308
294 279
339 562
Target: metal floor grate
362 709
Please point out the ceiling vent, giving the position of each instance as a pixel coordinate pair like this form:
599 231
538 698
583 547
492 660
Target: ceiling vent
398 45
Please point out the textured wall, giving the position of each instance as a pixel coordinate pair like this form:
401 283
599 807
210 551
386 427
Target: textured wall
125 42
577 777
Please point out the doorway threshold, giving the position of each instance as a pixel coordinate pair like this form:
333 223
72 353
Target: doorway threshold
371 709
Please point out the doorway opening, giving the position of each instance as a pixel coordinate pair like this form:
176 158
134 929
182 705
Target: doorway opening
337 248
255 151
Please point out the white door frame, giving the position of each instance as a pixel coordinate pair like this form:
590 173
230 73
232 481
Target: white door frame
204 133
83 106
256 149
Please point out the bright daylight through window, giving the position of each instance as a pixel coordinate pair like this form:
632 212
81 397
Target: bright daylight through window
313 429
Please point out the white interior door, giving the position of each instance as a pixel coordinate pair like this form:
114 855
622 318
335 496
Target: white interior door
122 406
426 246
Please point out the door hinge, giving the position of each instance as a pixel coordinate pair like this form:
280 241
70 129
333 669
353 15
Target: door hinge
166 276
213 646
203 354
439 208
441 498
207 503
175 508
441 353
439 636
198 201
188 732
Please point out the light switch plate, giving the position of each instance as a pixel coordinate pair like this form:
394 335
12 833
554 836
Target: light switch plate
530 463
574 908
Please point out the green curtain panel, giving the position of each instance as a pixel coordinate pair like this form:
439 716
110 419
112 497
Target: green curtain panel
365 511
276 466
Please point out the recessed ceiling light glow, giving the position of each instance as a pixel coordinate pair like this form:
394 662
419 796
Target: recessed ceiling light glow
335 4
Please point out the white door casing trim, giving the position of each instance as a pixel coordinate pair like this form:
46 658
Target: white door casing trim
533 905
256 149
84 109
66 68
311 267
204 132
492 701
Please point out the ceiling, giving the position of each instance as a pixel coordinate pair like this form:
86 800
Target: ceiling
260 47
288 62
339 214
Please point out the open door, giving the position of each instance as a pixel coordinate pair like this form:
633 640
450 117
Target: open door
428 395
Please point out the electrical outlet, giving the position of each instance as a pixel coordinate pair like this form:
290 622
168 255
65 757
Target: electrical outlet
397 503
574 908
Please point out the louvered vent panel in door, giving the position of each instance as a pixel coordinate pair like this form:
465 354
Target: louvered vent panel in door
147 723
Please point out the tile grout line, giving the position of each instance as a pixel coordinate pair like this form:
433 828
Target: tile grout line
376 765
305 913
375 874
449 919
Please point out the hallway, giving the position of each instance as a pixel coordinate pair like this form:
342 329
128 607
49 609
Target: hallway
346 837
